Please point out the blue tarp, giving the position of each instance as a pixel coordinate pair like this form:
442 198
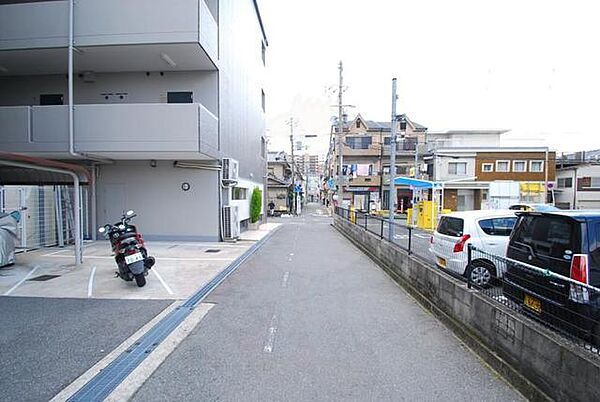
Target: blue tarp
408 181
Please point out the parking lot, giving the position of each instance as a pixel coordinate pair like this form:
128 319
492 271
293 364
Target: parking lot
181 268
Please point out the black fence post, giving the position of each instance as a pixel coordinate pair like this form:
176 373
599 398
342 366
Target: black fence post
381 236
366 222
469 257
409 240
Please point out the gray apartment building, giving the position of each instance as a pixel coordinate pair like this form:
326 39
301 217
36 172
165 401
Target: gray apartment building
152 97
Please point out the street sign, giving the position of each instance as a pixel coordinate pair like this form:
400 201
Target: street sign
298 188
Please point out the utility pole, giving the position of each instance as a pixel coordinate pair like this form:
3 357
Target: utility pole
291 123
392 197
340 181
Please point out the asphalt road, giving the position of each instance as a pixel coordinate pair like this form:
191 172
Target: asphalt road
45 344
310 317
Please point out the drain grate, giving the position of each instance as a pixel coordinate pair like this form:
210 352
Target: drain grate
213 250
101 385
43 278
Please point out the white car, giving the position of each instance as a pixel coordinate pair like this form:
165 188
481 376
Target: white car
488 230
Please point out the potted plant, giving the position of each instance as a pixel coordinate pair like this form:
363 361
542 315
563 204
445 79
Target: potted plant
255 208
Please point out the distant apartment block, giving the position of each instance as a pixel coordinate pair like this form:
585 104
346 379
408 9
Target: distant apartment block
162 92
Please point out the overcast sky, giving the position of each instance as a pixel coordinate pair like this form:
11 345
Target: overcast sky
529 66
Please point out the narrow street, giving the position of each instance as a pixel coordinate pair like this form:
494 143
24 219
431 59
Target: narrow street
309 317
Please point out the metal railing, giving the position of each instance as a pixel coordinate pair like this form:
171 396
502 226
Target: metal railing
569 307
412 240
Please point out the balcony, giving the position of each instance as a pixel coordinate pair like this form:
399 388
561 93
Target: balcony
116 131
109 35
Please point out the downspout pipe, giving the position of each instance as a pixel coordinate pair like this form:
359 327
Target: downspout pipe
76 206
71 48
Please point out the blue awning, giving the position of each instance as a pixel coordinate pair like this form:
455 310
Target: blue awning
417 183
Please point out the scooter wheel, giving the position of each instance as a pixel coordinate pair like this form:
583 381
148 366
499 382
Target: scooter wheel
140 280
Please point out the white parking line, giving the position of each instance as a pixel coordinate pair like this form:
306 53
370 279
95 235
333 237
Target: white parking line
91 282
9 291
168 289
271 337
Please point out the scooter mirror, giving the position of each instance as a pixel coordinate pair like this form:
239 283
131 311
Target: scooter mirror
102 229
130 212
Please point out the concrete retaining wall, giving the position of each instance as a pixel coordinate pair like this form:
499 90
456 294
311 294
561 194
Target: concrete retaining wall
537 362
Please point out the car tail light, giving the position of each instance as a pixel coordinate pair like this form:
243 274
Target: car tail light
460 246
579 273
579 268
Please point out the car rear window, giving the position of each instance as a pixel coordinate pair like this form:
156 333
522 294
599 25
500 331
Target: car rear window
549 235
451 226
498 226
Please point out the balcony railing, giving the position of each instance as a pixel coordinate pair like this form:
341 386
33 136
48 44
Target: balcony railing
149 129
36 25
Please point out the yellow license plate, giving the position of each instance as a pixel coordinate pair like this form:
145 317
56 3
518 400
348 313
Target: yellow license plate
533 303
441 262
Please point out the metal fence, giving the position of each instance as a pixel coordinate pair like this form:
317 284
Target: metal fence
570 308
46 214
412 240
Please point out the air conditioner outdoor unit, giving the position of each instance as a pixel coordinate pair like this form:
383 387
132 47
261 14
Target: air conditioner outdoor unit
230 169
231 222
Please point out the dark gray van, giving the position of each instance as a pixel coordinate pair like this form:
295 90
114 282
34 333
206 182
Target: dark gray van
565 246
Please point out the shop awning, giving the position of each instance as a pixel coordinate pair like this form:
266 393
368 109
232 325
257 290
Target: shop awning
417 183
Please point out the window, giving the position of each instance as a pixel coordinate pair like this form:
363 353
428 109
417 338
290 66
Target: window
51 99
263 99
487 167
498 226
180 97
457 168
357 123
595 182
519 166
450 226
238 193
536 166
565 182
359 142
548 235
502 166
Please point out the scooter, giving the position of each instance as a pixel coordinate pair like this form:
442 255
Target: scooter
128 247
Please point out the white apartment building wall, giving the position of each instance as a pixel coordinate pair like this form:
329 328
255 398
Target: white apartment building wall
128 56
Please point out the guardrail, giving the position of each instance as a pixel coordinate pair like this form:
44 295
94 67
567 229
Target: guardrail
412 240
569 307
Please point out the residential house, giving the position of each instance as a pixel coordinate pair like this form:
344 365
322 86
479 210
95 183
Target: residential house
279 181
148 96
366 150
578 181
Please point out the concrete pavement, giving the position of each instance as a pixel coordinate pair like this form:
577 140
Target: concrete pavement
309 317
45 344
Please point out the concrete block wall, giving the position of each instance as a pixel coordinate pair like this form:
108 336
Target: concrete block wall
541 364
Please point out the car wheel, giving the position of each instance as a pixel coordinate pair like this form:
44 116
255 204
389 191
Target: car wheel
481 274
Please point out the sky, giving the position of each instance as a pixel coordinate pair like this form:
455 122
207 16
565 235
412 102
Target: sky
531 67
